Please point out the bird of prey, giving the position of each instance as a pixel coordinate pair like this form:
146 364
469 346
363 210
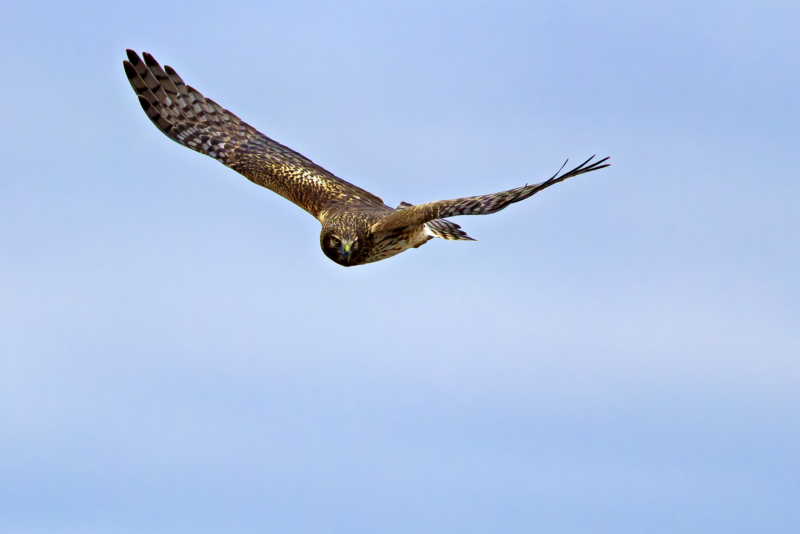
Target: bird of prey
357 227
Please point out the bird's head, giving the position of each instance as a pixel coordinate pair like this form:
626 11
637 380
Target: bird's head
343 243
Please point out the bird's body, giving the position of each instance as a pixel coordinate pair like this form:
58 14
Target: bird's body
357 227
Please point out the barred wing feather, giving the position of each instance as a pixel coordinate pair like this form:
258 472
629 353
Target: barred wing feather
187 117
479 205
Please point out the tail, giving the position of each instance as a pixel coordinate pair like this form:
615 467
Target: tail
441 228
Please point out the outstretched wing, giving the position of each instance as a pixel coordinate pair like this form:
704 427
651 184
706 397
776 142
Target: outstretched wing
480 205
194 121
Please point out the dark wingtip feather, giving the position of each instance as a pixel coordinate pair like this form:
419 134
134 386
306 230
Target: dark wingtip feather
149 60
130 70
559 170
132 56
583 168
596 165
144 103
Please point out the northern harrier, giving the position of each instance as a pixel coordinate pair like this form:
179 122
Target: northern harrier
357 227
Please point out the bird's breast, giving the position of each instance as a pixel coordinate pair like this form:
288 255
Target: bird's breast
388 244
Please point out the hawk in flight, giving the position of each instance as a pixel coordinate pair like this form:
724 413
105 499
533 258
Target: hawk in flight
357 227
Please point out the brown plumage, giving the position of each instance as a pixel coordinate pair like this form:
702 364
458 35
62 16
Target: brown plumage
357 227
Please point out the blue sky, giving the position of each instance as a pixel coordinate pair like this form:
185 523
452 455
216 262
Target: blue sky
620 353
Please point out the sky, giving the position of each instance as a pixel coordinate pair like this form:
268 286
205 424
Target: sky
618 354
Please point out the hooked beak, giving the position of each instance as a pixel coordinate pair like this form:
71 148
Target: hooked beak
347 250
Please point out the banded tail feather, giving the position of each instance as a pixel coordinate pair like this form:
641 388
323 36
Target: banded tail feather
441 228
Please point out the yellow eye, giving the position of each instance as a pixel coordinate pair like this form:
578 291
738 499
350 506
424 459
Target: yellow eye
336 241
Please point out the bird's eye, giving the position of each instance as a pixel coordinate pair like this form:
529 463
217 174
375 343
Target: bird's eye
336 241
